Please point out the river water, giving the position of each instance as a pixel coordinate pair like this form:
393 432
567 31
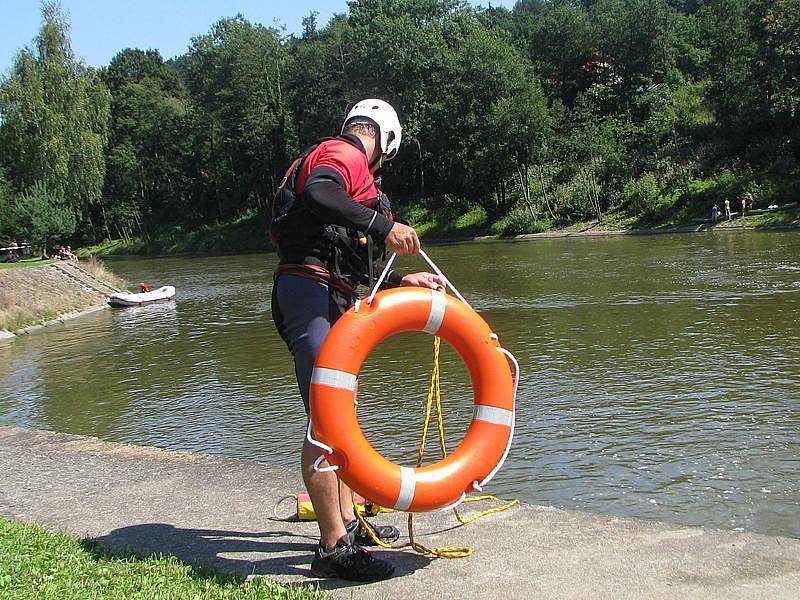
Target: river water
660 374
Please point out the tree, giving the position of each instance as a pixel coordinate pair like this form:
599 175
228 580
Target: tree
43 217
520 122
147 180
7 225
132 65
55 116
319 79
399 51
235 75
732 51
637 40
496 115
782 22
560 40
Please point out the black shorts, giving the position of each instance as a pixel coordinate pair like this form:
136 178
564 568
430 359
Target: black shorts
304 310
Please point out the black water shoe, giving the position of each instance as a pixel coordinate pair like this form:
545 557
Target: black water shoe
358 535
349 561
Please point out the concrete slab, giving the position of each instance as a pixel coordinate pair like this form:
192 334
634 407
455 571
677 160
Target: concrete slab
210 511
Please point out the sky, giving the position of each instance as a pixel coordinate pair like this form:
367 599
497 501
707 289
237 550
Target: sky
101 29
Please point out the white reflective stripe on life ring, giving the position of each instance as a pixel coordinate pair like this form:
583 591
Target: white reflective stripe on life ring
492 414
334 378
438 306
408 485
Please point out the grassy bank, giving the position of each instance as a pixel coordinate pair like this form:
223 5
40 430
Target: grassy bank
34 295
247 234
26 262
441 225
444 223
38 564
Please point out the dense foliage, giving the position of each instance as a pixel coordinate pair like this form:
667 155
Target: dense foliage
553 112
54 132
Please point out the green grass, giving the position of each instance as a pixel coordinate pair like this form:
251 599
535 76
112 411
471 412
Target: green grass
453 220
109 247
41 565
449 223
26 262
785 218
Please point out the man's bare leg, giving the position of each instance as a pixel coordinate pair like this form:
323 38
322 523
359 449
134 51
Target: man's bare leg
325 496
346 503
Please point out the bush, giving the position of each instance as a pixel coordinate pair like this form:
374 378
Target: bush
452 207
446 217
704 193
416 215
572 202
471 220
42 217
642 195
520 221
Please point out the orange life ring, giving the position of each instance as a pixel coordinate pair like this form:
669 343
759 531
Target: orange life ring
333 414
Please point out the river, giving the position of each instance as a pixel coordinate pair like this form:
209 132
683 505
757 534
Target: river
660 374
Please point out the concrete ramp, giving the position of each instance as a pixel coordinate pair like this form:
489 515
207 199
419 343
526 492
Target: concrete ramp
83 278
217 512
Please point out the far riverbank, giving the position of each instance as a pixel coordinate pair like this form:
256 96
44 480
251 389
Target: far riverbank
248 236
597 229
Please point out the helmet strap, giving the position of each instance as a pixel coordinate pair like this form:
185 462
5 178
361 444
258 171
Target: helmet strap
376 163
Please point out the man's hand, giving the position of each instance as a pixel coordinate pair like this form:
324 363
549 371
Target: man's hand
426 280
402 239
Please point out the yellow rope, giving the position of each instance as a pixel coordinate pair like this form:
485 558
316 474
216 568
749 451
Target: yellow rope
435 393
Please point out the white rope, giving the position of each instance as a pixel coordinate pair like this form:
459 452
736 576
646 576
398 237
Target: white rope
319 469
436 269
382 277
475 485
442 275
281 501
489 477
454 504
324 448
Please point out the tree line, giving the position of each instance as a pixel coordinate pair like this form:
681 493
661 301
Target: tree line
553 112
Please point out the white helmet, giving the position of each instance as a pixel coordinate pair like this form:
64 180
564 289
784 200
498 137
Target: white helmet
385 117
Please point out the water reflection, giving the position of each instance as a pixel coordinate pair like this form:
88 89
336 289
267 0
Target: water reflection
660 375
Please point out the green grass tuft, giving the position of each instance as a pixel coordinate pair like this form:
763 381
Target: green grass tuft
41 565
26 262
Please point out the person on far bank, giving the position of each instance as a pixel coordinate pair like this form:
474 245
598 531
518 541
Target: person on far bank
727 209
329 236
715 213
744 205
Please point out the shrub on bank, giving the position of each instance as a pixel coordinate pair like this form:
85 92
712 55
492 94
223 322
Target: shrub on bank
702 194
97 268
246 234
520 221
452 218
